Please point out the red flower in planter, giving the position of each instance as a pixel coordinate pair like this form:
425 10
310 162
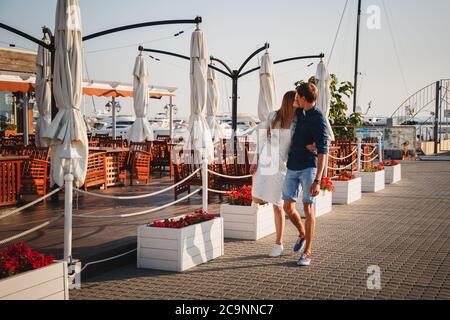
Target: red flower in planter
194 218
327 184
345 176
391 163
19 257
378 167
240 197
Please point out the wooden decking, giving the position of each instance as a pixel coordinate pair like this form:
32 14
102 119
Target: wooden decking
95 239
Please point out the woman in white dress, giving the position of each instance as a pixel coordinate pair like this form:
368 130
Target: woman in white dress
274 140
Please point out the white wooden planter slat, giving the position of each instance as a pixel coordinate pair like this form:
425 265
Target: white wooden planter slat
49 283
347 191
393 174
179 249
247 222
372 181
323 204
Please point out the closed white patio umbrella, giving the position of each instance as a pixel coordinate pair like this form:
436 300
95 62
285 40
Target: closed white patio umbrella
67 134
43 92
140 130
212 106
323 80
266 101
199 135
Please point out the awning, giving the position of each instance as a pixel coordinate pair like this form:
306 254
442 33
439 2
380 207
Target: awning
17 83
27 82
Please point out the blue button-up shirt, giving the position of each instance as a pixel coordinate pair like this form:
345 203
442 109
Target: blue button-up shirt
310 127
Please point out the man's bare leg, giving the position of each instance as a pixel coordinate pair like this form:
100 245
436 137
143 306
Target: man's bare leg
289 207
310 224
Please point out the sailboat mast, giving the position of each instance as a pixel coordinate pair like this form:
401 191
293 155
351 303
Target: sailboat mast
357 56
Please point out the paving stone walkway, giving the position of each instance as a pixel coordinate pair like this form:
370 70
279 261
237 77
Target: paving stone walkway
404 230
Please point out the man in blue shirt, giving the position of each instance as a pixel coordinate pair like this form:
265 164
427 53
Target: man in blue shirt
305 168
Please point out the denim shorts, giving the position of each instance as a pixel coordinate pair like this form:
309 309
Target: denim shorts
296 179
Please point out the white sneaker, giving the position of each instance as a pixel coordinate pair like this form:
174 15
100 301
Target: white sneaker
277 251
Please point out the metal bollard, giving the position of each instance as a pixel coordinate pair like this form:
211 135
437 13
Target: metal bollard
358 154
68 198
205 184
380 149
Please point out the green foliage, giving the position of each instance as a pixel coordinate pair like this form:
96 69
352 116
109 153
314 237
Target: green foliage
338 107
9 126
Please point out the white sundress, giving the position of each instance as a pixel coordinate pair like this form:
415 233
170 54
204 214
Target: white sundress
273 155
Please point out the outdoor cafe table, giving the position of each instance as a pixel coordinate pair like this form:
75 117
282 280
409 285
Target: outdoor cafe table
112 163
10 179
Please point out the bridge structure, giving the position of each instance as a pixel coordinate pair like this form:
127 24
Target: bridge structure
432 103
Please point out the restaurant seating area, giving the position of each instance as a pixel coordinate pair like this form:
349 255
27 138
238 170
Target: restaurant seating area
118 162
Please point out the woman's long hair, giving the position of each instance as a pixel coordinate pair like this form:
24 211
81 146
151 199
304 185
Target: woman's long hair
286 113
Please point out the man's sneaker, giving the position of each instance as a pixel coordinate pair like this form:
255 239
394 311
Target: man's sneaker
300 244
277 250
305 260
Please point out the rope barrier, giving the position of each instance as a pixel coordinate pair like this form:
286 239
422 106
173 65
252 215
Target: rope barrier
369 154
30 204
347 166
217 191
230 177
22 234
137 213
138 196
348 156
107 259
370 159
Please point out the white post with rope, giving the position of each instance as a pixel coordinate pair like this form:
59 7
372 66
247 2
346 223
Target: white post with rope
68 198
380 149
358 154
325 169
205 183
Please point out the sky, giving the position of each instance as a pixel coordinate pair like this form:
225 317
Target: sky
408 51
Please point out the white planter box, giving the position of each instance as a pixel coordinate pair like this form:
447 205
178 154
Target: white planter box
179 249
393 174
247 222
347 191
372 181
47 283
323 204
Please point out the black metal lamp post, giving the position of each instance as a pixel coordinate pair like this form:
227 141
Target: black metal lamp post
51 45
234 75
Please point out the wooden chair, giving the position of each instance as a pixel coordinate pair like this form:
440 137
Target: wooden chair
140 166
161 157
35 179
185 163
111 143
122 159
35 176
96 170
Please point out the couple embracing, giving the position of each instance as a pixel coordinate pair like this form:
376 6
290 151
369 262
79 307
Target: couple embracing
298 134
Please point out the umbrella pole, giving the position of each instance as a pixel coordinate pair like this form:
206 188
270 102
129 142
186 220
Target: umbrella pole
171 117
25 118
113 117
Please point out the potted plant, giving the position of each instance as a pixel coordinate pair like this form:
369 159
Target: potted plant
28 275
180 243
372 178
10 129
348 188
324 201
244 219
393 171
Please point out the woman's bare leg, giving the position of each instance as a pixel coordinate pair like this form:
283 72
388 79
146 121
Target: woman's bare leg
279 223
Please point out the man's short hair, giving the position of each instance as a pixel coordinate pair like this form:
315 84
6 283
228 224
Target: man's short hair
309 91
